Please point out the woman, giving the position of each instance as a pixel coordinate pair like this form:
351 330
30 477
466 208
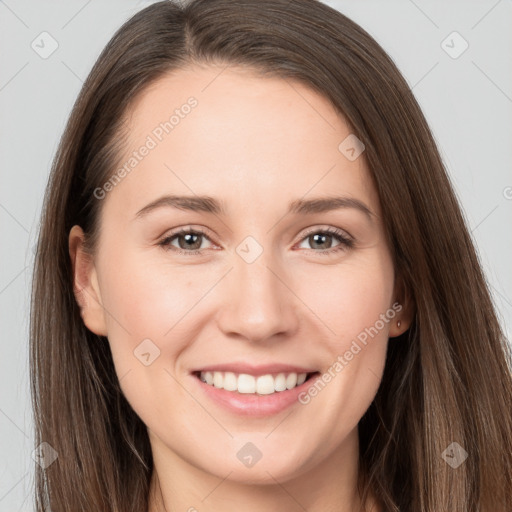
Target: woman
262 292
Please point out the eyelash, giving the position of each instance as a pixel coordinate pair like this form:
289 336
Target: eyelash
346 242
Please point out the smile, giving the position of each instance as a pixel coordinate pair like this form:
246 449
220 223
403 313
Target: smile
250 395
249 384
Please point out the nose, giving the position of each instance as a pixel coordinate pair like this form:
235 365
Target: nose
258 305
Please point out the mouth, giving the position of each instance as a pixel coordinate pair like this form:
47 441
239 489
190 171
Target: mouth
247 384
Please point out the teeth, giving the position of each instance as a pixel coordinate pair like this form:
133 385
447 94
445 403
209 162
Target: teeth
230 381
249 384
291 381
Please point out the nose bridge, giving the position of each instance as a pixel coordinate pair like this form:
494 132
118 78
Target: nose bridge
258 305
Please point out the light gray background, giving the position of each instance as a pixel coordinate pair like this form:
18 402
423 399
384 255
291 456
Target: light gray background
467 101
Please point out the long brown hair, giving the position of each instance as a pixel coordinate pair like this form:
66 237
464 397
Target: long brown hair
447 379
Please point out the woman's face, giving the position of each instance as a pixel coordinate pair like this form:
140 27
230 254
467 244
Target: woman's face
267 279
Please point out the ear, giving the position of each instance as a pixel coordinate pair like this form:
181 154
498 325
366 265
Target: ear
85 284
404 307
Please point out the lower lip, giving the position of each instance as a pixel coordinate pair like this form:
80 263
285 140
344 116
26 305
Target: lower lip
251 404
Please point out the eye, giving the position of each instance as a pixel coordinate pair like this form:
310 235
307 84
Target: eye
185 241
322 239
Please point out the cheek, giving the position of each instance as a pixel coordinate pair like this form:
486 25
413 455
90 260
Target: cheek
351 298
151 318
145 297
143 303
355 305
147 293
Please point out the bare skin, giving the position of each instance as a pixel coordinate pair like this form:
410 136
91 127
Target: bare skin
255 145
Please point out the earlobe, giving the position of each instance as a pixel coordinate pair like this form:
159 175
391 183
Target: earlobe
405 314
85 283
397 328
400 323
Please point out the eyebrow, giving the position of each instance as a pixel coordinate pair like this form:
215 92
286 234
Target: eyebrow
299 206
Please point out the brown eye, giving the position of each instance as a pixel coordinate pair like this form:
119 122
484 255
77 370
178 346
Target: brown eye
188 241
320 241
327 241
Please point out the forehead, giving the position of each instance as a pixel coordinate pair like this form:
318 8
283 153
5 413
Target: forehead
228 131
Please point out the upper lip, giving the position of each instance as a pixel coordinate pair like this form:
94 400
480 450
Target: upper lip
255 370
